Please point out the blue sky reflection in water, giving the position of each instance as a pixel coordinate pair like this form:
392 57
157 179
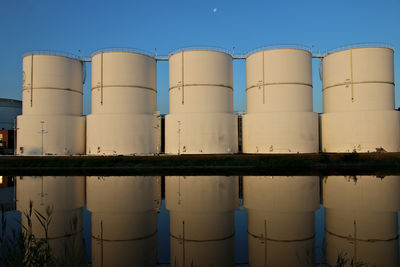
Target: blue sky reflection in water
81 27
216 220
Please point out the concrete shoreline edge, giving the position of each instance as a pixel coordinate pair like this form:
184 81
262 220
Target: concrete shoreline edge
321 164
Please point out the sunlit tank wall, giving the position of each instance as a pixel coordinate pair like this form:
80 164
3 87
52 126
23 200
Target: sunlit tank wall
201 118
201 212
63 135
124 219
52 93
361 219
358 96
64 197
124 103
281 219
280 116
9 110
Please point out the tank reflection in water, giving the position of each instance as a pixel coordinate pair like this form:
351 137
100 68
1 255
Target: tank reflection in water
124 219
361 219
281 219
60 201
281 222
202 224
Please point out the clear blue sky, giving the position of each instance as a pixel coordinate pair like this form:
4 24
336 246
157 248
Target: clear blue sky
87 25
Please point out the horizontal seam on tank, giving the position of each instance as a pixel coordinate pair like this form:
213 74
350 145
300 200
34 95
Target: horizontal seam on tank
283 83
136 86
348 83
365 240
200 84
63 236
125 240
282 240
53 88
203 240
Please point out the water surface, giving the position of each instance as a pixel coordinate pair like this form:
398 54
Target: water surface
208 220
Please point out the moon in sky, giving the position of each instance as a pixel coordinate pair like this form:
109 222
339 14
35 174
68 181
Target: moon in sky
215 10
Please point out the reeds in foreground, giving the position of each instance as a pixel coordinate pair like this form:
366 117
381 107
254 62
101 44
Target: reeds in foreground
23 248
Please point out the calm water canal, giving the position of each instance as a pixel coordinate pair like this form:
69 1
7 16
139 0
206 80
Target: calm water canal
201 220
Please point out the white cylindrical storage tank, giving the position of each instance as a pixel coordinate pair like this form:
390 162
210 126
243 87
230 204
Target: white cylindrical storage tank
362 193
9 110
358 79
379 253
124 219
281 219
361 219
358 96
51 105
51 84
280 116
279 79
201 118
124 82
201 212
124 119
59 200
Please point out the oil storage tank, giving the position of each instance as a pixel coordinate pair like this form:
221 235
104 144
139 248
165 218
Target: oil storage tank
361 219
358 98
124 101
124 219
51 120
201 212
9 110
280 117
281 219
200 119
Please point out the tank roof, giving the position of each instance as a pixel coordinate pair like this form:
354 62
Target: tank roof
124 49
359 45
6 102
51 53
278 46
201 48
